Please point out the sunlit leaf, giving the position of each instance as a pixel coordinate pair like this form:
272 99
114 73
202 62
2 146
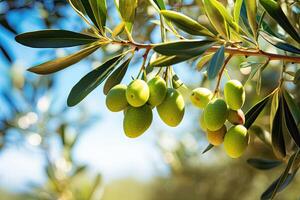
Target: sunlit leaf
127 11
118 29
116 77
253 112
89 11
90 81
251 8
186 23
160 4
216 63
274 10
204 60
64 62
263 164
237 10
54 39
100 12
215 17
164 61
279 43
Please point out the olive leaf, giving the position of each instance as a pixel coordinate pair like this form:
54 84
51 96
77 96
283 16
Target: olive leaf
251 8
216 63
204 60
263 164
160 4
64 62
274 10
127 10
290 123
89 11
278 143
186 23
116 77
216 18
208 148
253 112
164 61
294 108
118 29
99 9
237 10
280 44
283 181
186 48
90 81
274 107
54 39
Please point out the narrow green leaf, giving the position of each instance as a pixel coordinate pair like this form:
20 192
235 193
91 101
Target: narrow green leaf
263 164
216 63
291 124
90 81
294 108
274 107
184 48
215 17
160 4
282 182
251 8
280 44
204 60
127 11
186 23
237 10
277 132
164 61
274 10
64 62
118 29
100 12
89 11
54 39
253 112
116 77
208 148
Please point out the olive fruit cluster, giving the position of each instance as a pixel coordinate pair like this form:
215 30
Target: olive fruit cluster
217 111
139 98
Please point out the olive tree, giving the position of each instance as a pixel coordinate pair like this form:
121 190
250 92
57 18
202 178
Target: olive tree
223 31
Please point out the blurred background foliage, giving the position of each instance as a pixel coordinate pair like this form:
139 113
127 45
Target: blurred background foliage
31 117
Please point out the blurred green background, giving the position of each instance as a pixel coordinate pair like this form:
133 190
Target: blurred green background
49 151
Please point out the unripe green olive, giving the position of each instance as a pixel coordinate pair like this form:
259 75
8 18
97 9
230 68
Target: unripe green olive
202 123
234 93
216 138
215 114
137 120
236 117
158 90
171 110
137 93
116 99
200 97
236 141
